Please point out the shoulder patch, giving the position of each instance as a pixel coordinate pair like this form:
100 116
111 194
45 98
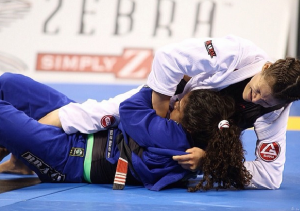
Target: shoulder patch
210 48
107 120
269 151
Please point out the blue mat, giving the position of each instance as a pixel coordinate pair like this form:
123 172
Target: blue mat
46 196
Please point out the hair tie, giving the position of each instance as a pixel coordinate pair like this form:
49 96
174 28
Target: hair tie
223 124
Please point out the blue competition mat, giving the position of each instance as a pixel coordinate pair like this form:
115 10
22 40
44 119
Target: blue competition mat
47 196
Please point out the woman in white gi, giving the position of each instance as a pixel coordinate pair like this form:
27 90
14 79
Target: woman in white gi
263 90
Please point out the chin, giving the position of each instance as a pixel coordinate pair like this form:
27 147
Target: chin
245 97
246 94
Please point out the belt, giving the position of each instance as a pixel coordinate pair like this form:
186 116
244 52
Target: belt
88 158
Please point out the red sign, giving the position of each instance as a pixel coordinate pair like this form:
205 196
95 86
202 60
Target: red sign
133 63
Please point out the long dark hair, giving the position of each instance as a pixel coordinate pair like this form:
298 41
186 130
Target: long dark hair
224 160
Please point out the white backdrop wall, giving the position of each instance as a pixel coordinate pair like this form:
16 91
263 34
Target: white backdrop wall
113 41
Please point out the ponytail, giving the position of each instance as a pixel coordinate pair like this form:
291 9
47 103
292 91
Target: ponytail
223 163
207 118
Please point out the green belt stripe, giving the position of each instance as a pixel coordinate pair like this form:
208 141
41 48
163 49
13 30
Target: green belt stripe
88 158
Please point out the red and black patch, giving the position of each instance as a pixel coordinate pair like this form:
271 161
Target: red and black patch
210 48
269 151
107 120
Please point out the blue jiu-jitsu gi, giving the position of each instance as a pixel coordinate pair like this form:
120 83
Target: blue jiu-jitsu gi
59 157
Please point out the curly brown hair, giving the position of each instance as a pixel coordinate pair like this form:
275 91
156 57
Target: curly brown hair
224 160
284 79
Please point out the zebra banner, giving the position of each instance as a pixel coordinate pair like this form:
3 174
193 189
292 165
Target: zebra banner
112 41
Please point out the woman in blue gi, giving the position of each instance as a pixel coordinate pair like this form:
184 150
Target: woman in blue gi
143 142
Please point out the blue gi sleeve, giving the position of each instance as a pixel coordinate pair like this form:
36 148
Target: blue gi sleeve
141 123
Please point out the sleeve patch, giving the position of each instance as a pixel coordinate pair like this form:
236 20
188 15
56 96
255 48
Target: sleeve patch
210 48
107 121
269 151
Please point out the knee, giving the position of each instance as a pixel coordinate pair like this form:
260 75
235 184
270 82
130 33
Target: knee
6 83
6 77
7 80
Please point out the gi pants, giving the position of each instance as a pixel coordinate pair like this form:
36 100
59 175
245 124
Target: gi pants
47 150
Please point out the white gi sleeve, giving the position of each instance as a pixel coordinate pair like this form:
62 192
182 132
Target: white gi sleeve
92 116
207 60
267 169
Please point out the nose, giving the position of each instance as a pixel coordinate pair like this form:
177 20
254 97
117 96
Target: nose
176 105
255 98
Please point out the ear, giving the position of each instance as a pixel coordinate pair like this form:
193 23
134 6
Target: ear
266 66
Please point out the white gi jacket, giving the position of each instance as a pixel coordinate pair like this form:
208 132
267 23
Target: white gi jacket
215 63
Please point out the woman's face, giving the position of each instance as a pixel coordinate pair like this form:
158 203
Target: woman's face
177 112
258 91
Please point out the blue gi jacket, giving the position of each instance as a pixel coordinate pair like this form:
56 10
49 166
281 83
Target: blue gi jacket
161 139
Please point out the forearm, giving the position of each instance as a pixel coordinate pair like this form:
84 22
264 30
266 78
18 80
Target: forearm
160 103
92 116
267 168
51 118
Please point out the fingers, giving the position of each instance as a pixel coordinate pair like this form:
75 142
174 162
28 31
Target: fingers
182 158
186 162
188 167
191 161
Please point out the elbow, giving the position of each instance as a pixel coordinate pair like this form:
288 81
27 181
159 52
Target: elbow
265 185
272 181
273 185
264 176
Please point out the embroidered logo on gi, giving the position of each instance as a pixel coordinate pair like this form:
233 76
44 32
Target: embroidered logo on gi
210 48
43 167
269 151
79 152
107 121
110 143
